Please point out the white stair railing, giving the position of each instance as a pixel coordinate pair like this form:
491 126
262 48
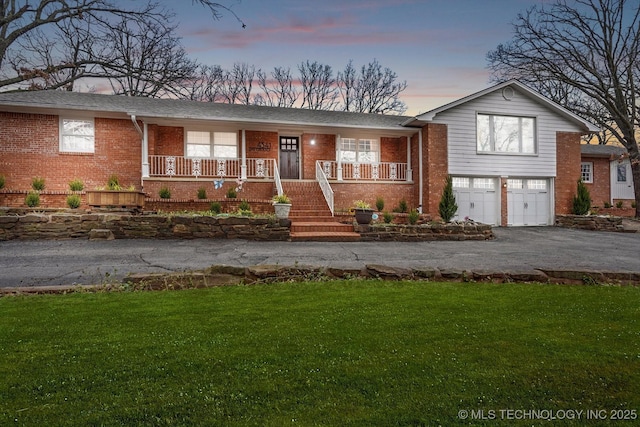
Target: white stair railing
276 177
321 177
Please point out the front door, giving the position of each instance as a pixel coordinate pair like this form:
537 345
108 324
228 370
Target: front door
289 157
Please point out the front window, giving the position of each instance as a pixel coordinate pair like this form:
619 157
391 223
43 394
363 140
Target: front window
359 150
506 134
211 144
77 136
586 169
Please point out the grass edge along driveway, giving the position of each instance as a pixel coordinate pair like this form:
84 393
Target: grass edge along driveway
357 352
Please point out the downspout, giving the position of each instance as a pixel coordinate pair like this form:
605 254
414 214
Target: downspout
409 176
145 142
420 162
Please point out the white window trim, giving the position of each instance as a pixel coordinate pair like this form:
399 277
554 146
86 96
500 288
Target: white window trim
590 180
212 143
507 153
61 134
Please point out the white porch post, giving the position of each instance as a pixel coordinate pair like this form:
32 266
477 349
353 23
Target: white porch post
409 170
243 166
145 150
420 161
338 154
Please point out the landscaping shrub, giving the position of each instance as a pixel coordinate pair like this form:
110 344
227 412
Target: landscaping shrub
33 199
244 208
582 200
2 181
74 201
202 193
607 205
413 216
37 183
387 217
113 183
215 207
231 193
619 204
403 207
76 185
447 207
165 193
379 204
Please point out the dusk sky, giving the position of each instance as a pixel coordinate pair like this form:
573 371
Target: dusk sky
437 46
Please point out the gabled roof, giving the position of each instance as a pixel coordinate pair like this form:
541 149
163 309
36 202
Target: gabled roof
608 151
430 115
157 108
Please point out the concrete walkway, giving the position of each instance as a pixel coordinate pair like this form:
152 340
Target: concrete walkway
69 262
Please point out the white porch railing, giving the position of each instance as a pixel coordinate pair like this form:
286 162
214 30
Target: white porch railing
383 171
321 177
186 167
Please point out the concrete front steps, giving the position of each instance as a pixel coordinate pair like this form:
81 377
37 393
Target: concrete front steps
310 216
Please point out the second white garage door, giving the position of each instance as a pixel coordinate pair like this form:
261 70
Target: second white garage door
528 202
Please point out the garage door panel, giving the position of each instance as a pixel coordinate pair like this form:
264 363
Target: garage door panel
477 200
528 202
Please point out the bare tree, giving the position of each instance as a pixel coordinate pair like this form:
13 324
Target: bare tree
205 85
373 90
591 49
24 22
319 90
237 84
279 91
145 59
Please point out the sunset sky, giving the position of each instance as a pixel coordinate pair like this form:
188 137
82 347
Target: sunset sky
437 46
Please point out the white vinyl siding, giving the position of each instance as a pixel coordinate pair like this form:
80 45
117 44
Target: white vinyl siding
204 144
464 159
77 136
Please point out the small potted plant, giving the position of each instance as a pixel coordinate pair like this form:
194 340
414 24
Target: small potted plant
363 212
282 205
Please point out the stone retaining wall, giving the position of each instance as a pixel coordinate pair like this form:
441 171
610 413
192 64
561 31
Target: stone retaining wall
425 232
590 222
127 226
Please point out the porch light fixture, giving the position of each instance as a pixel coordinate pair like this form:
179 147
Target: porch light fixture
313 141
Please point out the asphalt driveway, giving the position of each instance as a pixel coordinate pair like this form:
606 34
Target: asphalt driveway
68 262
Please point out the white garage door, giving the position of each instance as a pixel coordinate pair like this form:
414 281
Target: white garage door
528 202
477 199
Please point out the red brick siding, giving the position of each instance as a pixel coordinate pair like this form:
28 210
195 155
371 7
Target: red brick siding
346 193
188 190
254 140
169 141
504 205
29 147
393 150
323 149
600 188
567 170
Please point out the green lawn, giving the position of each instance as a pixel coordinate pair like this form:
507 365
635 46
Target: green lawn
324 353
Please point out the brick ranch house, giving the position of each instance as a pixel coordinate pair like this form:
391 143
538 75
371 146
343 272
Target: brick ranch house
514 155
606 172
